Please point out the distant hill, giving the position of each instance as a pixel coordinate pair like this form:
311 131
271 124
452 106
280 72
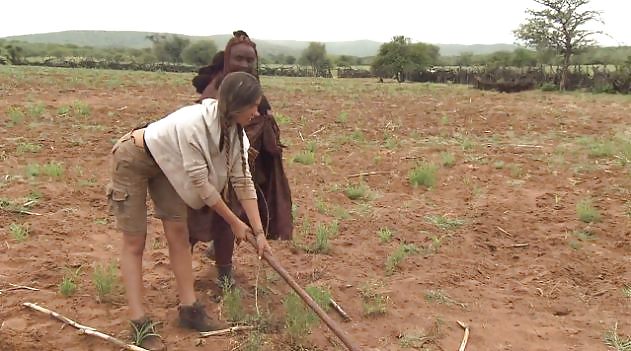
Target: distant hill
361 48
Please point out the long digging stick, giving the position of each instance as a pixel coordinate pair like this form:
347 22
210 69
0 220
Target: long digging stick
335 328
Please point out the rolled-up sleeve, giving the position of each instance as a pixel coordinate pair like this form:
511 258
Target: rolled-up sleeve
242 181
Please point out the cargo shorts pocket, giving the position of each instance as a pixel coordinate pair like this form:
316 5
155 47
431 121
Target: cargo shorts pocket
116 198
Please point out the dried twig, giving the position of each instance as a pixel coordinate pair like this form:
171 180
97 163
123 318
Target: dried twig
363 174
226 331
518 245
317 131
339 310
17 210
503 231
84 329
301 138
18 287
465 338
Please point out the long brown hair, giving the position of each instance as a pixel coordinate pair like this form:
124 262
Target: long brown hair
237 92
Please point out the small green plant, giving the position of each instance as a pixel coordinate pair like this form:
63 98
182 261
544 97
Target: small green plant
33 170
437 296
444 120
232 302
447 159
390 141
626 291
36 110
499 164
444 222
68 285
423 175
81 109
53 169
282 119
321 206
587 212
584 235
15 115
357 136
140 334
615 341
359 191
324 232
298 319
305 157
321 295
434 245
340 213
342 117
63 110
23 148
105 281
601 148
385 235
394 260
18 232
254 341
374 302
467 144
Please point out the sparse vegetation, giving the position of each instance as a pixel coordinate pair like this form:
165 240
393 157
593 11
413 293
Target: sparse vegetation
18 232
615 341
444 222
385 235
232 304
68 285
299 319
359 191
105 280
23 148
447 159
374 301
423 175
394 259
53 169
586 211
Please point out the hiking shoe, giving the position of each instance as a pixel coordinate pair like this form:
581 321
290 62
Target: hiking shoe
195 317
144 335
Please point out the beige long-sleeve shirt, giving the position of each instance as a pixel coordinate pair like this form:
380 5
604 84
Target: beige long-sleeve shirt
185 145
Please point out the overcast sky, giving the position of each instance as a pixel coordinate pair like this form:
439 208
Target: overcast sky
442 21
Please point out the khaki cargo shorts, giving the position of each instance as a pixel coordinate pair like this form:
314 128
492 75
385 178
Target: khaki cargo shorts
133 172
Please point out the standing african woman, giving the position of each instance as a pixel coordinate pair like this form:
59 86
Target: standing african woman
265 159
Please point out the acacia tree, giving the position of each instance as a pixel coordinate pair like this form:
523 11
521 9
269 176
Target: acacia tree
559 25
400 57
315 56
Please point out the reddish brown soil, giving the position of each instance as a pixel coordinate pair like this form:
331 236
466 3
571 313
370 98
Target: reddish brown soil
514 271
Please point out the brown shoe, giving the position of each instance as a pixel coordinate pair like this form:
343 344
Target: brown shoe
195 317
144 335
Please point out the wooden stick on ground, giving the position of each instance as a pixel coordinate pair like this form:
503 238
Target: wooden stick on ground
226 331
339 310
465 338
18 287
503 231
363 174
84 329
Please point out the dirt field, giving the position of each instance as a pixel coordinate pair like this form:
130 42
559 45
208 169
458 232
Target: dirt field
497 242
